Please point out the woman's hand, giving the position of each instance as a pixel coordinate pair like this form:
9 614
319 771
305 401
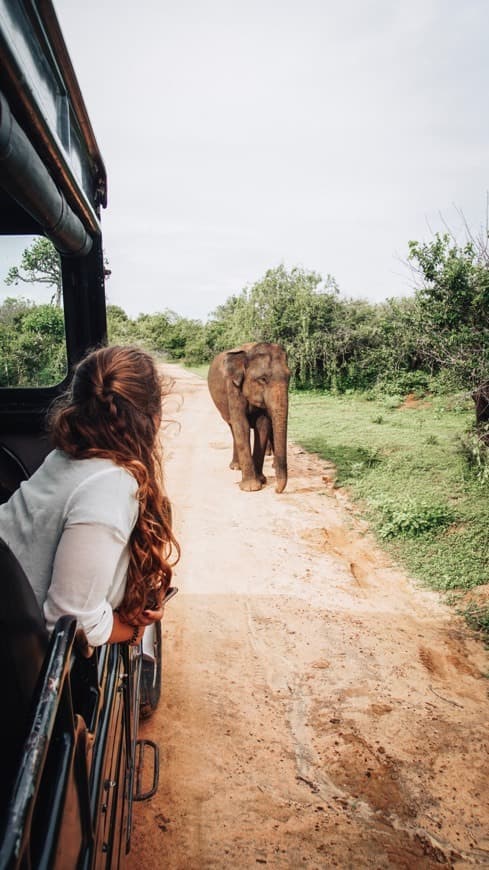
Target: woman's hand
147 617
125 632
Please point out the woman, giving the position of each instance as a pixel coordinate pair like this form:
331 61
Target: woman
91 526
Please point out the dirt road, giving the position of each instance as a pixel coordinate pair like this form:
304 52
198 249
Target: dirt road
319 710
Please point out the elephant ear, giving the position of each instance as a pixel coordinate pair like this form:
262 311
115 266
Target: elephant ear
235 366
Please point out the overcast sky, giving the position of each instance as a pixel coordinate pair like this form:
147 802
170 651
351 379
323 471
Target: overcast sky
240 135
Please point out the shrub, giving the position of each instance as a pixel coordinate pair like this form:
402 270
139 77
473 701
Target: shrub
478 618
411 518
474 446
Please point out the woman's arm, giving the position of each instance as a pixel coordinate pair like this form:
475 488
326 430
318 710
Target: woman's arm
89 569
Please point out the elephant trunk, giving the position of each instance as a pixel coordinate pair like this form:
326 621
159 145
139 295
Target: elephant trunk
279 428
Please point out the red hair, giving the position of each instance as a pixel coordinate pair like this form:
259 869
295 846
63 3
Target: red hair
113 411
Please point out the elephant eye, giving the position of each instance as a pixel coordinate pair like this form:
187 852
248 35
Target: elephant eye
262 380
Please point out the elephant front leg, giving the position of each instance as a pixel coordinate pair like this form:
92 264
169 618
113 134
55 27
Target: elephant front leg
263 430
250 481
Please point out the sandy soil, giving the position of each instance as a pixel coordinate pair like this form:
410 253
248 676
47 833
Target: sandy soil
318 710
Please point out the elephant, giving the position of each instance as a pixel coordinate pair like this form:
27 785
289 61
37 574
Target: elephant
249 386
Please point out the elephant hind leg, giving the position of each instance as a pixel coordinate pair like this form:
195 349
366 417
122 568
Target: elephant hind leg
269 451
234 464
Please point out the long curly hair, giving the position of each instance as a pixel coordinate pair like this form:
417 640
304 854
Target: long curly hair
113 411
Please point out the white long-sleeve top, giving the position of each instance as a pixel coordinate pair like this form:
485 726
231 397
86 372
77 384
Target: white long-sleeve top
69 526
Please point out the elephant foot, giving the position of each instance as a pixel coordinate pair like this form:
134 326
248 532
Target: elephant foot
251 484
234 466
262 478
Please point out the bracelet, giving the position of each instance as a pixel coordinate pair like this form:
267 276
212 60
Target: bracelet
134 636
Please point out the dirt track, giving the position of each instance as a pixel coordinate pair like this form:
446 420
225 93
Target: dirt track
319 710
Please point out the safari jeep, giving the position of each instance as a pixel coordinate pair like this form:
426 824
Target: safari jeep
70 759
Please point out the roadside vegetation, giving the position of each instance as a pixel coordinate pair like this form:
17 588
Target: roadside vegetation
32 345
404 460
384 391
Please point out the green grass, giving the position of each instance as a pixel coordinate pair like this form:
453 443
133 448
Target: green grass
404 466
200 370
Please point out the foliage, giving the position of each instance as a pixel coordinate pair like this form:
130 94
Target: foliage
32 346
154 331
40 264
454 306
397 346
474 446
321 334
477 617
412 463
456 288
293 308
120 327
434 341
410 518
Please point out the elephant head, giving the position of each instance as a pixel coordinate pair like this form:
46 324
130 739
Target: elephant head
261 374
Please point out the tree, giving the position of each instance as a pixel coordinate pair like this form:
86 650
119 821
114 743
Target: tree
294 308
153 329
32 347
40 264
454 305
121 329
455 281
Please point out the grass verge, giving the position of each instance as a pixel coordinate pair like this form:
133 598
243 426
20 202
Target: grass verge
200 370
403 462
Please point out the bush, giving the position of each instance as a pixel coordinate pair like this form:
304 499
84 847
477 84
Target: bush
410 518
478 618
32 345
474 446
417 382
